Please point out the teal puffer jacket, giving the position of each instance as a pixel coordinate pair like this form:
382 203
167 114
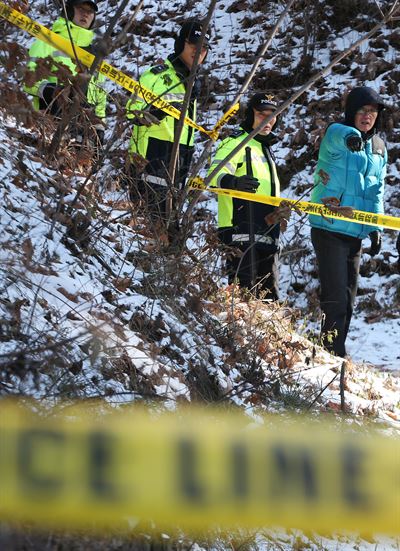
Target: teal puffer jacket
355 178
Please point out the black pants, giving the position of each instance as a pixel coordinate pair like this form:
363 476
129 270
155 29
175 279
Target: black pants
152 197
266 269
338 257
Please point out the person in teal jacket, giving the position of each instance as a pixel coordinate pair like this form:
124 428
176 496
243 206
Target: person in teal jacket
154 131
252 169
350 172
47 90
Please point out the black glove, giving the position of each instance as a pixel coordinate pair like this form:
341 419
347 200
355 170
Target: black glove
143 118
241 183
376 242
160 114
354 143
100 47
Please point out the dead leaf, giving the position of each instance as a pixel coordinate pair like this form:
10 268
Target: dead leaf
27 248
333 204
333 405
67 294
324 176
72 316
122 283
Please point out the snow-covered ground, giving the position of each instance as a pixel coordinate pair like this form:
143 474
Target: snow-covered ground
105 305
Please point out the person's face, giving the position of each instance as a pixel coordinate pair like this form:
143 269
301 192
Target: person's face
365 117
83 15
260 116
189 52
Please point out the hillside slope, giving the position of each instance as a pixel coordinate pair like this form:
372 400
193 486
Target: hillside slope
95 303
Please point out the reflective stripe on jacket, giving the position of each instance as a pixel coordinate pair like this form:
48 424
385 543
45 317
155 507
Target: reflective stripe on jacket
355 178
96 94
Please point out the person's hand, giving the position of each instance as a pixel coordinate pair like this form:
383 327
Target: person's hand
101 47
376 242
354 143
160 114
143 118
245 183
80 83
176 104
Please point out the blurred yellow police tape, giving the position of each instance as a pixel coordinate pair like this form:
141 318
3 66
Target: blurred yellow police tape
193 469
43 33
359 216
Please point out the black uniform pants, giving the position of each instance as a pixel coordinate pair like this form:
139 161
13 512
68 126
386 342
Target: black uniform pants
266 270
152 197
153 200
338 257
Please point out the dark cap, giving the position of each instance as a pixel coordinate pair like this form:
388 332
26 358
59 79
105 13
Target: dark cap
191 31
70 5
193 34
92 3
262 102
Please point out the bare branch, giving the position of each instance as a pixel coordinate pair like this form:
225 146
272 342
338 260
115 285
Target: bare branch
303 89
207 148
125 30
185 105
104 50
77 60
262 53
68 116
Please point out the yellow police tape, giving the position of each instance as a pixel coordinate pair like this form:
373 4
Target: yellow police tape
225 118
359 216
42 33
194 470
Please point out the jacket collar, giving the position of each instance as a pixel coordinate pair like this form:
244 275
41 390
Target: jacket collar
181 69
269 139
80 36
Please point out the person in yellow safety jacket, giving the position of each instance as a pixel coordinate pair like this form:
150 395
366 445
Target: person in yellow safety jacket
81 16
253 170
154 131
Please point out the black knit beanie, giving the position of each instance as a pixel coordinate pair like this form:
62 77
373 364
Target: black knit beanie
357 98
